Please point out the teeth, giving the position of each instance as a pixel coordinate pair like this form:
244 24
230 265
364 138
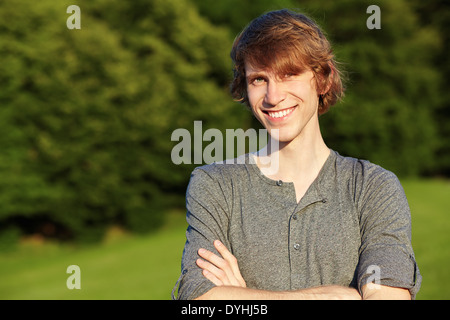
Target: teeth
280 114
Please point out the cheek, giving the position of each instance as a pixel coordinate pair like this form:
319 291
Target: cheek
306 93
252 97
254 101
255 98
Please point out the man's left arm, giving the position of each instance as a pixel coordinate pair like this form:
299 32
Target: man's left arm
387 268
373 291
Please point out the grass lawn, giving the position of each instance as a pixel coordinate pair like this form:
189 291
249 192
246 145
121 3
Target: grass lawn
124 267
430 211
147 267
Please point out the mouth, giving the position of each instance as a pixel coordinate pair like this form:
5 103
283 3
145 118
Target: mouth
279 115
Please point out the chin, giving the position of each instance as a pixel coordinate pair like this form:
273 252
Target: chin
283 138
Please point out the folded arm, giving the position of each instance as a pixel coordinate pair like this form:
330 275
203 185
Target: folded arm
224 273
317 293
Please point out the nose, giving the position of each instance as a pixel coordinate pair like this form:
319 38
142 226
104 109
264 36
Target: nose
274 93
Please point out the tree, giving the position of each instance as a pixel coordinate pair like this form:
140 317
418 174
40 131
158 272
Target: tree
88 113
435 14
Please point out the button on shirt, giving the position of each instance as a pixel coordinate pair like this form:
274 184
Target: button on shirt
353 216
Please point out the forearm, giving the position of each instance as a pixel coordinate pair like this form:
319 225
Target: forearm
316 293
379 292
230 285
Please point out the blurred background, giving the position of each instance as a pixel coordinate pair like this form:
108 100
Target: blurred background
86 117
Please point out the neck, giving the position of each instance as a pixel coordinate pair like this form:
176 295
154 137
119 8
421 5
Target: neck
299 159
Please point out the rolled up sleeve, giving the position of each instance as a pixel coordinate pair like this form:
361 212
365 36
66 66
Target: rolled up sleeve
386 254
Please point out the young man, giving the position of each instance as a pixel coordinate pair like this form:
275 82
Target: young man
322 226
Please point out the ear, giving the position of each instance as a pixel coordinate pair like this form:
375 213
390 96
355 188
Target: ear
329 79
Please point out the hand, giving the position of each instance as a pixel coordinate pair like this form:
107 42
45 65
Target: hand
222 271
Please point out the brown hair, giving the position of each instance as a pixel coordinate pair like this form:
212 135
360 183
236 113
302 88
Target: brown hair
286 42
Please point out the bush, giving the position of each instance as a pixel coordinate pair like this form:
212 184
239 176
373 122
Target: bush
87 114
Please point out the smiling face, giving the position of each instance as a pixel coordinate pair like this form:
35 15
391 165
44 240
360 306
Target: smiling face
288 103
285 42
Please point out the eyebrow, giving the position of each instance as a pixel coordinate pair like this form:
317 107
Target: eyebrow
255 74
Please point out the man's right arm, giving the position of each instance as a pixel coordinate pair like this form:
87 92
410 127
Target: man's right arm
207 217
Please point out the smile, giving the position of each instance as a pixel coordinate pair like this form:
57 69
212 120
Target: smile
279 114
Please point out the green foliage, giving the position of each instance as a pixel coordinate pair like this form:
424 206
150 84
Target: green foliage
236 14
86 115
435 15
387 114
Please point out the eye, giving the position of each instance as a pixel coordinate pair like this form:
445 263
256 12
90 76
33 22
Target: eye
258 80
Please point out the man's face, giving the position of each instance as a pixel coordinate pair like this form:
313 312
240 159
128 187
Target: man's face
288 103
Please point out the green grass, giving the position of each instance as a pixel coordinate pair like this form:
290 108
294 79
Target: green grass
430 210
147 267
124 267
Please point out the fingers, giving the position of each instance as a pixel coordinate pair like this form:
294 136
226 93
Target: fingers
224 252
220 270
206 266
215 260
218 267
232 261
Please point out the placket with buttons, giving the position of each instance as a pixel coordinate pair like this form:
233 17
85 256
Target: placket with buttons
297 241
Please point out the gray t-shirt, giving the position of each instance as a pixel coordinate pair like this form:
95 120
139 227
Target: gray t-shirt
352 226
